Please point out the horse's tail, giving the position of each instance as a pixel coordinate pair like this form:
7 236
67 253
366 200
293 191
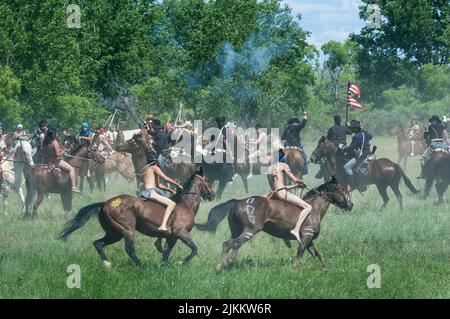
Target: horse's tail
407 181
216 215
80 219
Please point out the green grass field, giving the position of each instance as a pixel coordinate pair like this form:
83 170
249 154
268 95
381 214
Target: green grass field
411 247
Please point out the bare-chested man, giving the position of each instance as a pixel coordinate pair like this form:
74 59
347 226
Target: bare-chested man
154 190
276 182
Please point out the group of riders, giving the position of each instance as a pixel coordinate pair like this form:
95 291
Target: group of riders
49 151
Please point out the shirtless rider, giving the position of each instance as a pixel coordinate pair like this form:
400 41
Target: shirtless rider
154 190
276 182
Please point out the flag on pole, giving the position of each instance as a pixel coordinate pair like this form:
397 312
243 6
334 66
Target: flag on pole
351 101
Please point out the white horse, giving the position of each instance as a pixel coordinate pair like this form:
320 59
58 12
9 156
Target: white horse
22 158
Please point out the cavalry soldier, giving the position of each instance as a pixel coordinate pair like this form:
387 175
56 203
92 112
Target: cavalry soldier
19 134
276 182
160 141
337 134
434 136
86 135
291 136
414 134
261 140
153 190
359 149
53 153
37 140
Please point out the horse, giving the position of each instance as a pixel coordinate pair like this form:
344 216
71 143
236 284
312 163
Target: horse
248 216
404 145
382 172
43 179
123 215
437 168
295 159
22 158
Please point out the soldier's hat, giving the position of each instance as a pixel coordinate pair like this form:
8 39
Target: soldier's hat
355 124
156 124
435 118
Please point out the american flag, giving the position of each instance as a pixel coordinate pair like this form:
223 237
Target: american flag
351 101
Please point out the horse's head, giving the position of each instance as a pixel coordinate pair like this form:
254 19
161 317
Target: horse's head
336 194
203 186
397 129
324 149
24 152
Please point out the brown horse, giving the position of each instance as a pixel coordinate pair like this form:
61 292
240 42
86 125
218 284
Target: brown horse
249 216
382 172
404 144
437 168
123 215
43 179
295 160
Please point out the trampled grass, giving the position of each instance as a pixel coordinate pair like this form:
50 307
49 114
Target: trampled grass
411 247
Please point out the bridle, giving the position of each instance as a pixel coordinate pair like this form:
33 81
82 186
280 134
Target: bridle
204 183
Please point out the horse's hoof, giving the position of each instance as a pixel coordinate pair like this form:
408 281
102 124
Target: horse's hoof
219 267
180 263
107 264
297 264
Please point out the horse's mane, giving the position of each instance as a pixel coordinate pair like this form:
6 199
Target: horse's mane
177 198
327 187
76 149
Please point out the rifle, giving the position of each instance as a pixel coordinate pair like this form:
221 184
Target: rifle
133 115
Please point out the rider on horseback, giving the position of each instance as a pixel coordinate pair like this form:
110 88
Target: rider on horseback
53 153
160 141
154 190
337 134
276 182
102 143
414 133
259 142
359 149
291 136
86 135
435 136
37 140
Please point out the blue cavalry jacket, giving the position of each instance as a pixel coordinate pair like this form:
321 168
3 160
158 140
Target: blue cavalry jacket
360 141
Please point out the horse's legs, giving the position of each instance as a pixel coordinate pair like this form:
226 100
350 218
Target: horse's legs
441 188
187 240
19 192
305 242
398 194
170 243
130 247
428 185
382 190
158 245
313 251
245 182
246 235
221 188
66 199
109 239
37 203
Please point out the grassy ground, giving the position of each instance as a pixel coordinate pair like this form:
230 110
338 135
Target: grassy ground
411 247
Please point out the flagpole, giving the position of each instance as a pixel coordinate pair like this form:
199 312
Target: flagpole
348 94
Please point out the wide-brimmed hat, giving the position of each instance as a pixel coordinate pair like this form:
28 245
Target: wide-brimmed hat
156 124
19 127
355 124
435 118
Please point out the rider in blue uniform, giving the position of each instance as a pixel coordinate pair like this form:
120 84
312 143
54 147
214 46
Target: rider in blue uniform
291 137
86 134
359 149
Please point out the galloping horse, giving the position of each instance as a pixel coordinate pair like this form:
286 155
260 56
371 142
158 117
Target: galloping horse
123 215
437 168
43 179
382 172
22 158
295 160
404 145
276 217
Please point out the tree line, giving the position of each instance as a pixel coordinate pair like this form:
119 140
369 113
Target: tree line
247 60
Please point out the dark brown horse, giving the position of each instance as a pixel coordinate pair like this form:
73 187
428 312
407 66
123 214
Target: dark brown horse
123 215
382 172
43 179
404 145
249 216
295 160
437 168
